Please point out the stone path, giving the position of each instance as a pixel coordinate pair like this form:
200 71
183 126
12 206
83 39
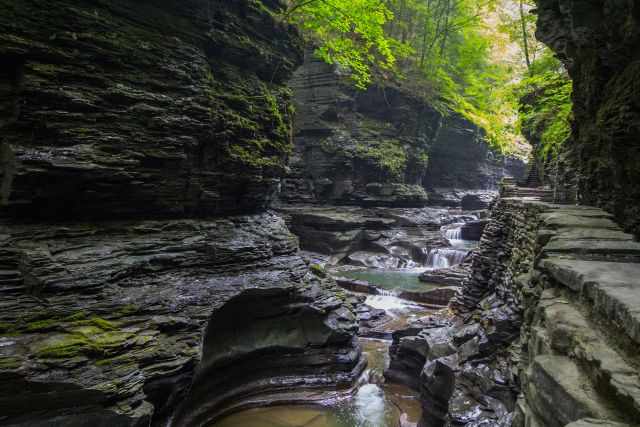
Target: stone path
583 335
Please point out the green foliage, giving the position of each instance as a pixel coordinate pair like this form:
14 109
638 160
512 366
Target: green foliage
318 270
350 34
545 105
474 57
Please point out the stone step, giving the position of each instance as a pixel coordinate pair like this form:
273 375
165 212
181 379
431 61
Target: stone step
559 393
596 250
592 422
612 289
561 328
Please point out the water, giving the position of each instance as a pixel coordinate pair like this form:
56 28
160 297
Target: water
445 257
453 233
401 280
375 404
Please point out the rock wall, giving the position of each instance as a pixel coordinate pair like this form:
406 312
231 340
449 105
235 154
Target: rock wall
380 147
114 109
373 237
357 147
126 126
460 159
597 41
545 329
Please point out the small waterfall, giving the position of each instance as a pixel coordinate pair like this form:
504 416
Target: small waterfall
453 233
445 258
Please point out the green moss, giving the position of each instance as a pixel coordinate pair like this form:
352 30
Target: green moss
63 347
7 363
46 69
318 270
126 310
95 336
5 327
389 156
79 315
102 323
42 325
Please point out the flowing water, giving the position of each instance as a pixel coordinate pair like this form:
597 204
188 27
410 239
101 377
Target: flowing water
391 280
374 404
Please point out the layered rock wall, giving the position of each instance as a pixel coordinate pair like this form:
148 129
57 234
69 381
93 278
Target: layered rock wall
598 42
127 129
357 147
460 159
114 109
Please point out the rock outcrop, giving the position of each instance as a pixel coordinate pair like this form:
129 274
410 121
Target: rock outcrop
374 237
126 127
460 160
597 41
119 320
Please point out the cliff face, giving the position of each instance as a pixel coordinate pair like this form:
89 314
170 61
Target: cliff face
460 159
380 147
124 109
125 127
356 147
598 42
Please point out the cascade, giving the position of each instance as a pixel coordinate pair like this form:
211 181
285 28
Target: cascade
445 258
453 233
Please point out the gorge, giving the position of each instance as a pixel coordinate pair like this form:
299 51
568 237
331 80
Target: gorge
204 223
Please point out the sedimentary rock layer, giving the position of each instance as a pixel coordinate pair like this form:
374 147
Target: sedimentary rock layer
127 108
126 126
119 320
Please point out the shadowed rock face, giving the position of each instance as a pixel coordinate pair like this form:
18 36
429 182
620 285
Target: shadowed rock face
461 159
130 108
598 42
123 125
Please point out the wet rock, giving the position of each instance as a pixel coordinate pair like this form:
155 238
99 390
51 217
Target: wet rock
459 159
122 308
453 276
379 238
437 385
473 230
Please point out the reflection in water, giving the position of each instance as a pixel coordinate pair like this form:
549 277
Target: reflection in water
375 404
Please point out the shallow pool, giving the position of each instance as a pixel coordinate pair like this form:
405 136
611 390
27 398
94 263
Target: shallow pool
375 404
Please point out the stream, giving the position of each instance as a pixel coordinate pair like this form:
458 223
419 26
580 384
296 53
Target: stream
374 403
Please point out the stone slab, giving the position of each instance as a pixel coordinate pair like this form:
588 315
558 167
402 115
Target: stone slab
612 247
592 422
560 393
580 233
613 288
562 220
569 332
